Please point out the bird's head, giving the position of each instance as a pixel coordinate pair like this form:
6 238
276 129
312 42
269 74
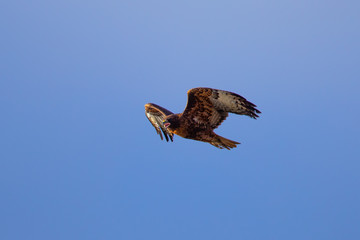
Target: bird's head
171 121
166 123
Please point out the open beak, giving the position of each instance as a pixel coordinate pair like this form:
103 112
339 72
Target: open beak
166 123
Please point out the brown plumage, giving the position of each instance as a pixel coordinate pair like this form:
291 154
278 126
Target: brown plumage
206 109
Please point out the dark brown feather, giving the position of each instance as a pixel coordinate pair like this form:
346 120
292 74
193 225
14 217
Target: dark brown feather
211 106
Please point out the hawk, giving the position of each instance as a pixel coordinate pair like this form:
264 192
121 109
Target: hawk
206 109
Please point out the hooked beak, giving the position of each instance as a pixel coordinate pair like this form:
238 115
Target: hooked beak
166 123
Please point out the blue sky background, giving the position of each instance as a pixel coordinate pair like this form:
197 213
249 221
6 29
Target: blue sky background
79 159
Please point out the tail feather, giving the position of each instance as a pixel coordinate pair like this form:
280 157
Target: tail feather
221 142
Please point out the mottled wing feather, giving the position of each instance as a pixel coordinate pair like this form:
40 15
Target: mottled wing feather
234 103
156 116
199 109
210 107
217 118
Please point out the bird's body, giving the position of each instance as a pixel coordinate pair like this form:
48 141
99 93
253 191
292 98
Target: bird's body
206 109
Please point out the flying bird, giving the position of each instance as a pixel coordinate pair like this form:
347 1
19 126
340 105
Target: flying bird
206 109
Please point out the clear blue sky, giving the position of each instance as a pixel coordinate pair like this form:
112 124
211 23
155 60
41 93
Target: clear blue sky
79 159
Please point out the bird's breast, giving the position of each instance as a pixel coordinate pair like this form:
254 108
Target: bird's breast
182 132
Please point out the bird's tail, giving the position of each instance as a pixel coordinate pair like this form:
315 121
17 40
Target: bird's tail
221 142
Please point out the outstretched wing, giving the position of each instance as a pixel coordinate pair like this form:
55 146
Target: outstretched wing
207 106
156 116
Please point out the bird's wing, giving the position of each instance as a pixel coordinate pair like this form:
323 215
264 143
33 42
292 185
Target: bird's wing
211 106
156 116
